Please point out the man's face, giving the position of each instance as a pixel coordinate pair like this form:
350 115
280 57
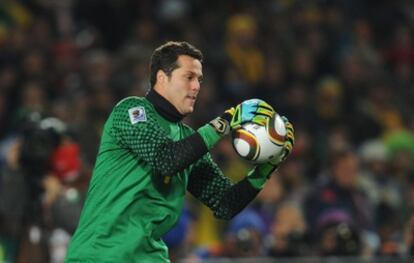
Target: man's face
182 87
345 170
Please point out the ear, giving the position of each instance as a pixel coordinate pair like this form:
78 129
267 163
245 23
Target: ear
161 76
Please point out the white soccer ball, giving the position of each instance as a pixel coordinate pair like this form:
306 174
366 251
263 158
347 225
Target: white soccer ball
260 143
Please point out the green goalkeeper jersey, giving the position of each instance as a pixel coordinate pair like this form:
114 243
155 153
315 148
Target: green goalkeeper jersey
144 167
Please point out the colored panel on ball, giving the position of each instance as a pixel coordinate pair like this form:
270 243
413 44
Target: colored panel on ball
251 140
274 136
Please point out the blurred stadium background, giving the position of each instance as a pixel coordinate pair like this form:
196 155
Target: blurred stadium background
341 70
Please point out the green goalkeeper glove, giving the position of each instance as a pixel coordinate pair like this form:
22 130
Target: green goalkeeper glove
253 110
287 146
258 176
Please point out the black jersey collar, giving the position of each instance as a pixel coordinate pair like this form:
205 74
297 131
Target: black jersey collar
164 107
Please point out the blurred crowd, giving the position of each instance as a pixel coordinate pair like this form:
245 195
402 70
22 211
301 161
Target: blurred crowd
342 71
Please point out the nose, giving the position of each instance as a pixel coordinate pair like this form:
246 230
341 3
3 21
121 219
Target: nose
196 85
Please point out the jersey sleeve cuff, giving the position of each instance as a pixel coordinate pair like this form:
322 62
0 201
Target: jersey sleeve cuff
259 175
209 135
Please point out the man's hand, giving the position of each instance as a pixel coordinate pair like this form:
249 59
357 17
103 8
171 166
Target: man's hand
287 146
253 110
258 176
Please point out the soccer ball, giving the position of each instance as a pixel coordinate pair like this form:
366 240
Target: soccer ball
260 143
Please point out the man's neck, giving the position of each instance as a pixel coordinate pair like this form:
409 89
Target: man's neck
163 106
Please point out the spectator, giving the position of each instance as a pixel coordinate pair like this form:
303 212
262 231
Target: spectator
289 232
339 191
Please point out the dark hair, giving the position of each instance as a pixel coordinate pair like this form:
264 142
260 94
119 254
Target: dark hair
165 57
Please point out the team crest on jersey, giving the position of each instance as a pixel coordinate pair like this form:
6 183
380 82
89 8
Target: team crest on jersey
137 114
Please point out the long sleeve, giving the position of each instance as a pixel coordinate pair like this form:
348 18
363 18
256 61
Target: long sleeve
150 142
209 185
136 127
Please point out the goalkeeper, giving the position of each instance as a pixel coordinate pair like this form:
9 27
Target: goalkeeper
148 159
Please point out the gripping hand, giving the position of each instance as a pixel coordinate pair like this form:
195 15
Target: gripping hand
253 110
262 172
287 146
